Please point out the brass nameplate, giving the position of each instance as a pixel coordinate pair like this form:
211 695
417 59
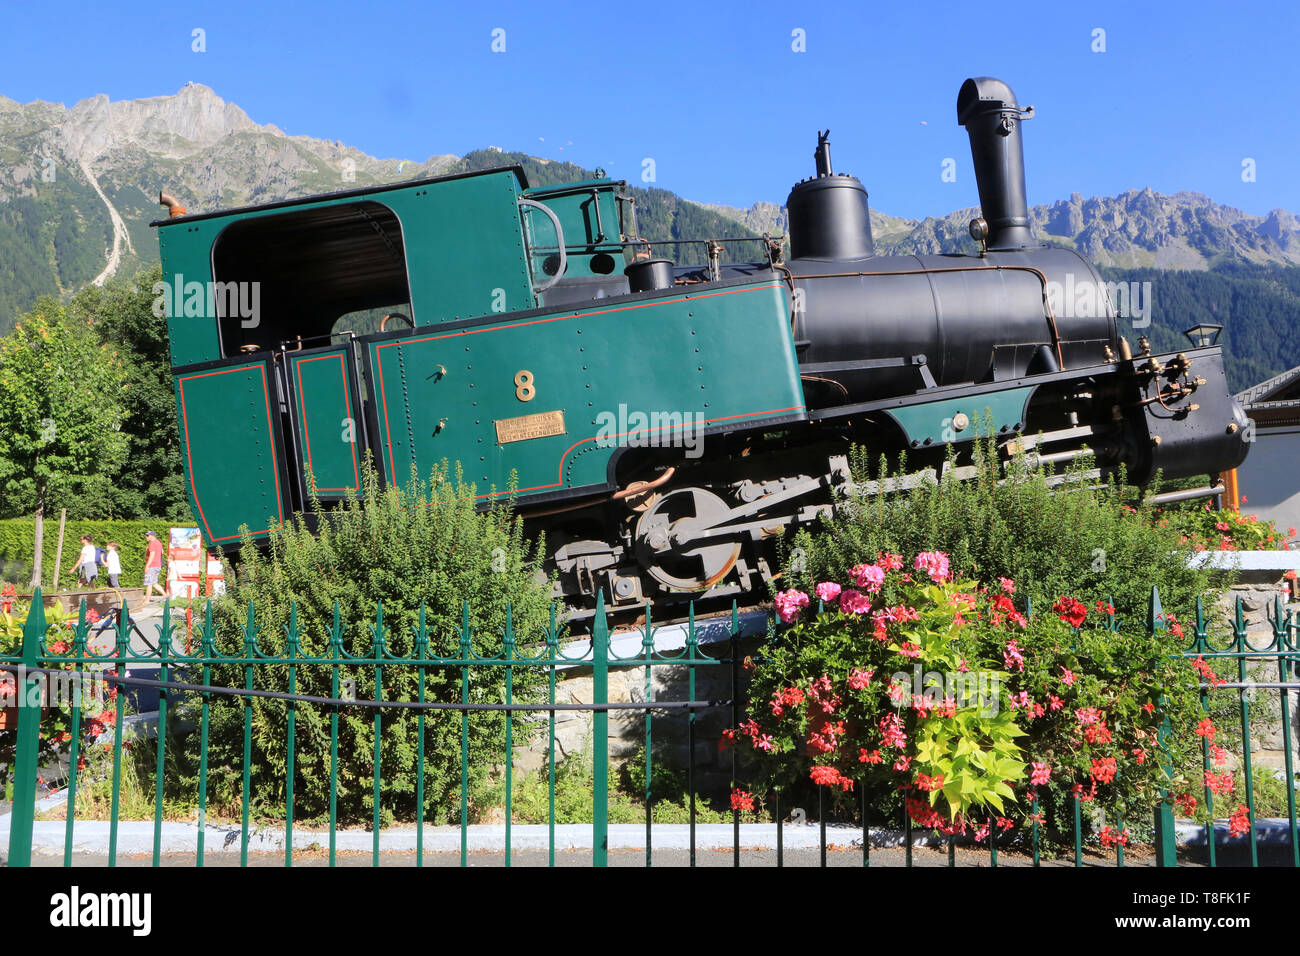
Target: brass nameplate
541 425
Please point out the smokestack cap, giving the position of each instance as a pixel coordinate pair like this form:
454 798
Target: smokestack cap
982 94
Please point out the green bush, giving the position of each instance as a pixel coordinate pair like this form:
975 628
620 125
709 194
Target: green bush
1072 538
17 536
423 545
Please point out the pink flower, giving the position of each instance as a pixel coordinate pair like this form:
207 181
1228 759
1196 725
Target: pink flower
934 563
789 604
1042 772
1087 715
1015 661
859 678
854 602
908 649
868 576
1007 585
828 591
890 562
1067 676
891 731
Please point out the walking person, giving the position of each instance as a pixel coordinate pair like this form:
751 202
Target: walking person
152 566
86 565
113 565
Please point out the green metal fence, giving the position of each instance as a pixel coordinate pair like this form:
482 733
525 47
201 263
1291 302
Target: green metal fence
185 659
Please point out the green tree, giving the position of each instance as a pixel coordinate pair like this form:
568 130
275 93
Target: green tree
152 483
60 413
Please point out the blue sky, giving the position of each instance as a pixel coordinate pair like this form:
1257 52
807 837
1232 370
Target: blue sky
715 93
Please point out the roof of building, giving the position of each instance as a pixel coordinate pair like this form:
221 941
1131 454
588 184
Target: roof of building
1279 388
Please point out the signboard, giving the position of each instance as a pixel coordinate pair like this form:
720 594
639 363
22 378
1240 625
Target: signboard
184 554
216 577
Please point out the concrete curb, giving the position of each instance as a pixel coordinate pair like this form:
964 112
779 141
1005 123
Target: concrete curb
137 836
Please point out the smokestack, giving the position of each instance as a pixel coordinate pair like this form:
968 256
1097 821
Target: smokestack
987 108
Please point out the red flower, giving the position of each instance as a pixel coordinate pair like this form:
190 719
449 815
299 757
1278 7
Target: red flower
1219 783
1239 822
830 777
1104 770
1072 612
742 800
1206 729
1185 804
1112 837
1207 672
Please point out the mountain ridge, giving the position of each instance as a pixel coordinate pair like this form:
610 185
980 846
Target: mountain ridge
77 193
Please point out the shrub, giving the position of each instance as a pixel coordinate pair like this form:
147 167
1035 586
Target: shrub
424 546
943 692
1204 529
17 535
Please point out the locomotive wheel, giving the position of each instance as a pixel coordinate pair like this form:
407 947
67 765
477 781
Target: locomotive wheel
693 567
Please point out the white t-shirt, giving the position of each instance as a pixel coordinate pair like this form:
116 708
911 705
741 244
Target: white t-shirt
87 555
114 561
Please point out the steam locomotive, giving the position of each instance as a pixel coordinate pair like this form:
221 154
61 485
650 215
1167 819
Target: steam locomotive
665 424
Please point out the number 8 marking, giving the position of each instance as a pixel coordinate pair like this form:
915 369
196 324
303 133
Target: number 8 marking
524 388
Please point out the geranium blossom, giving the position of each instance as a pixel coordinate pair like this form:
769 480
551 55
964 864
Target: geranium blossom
854 602
1014 660
742 800
1042 772
934 563
868 576
789 604
1220 784
891 731
1207 672
830 777
859 678
1007 585
1088 715
893 562
1112 837
1239 822
1067 676
1104 769
828 591
1072 612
